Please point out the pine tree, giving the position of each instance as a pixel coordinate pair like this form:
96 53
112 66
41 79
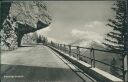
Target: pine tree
116 39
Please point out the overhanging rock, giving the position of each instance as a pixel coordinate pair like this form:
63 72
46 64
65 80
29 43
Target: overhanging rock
24 17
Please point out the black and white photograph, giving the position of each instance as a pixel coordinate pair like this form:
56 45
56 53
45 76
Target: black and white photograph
64 40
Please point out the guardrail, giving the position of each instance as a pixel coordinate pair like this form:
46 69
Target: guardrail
77 52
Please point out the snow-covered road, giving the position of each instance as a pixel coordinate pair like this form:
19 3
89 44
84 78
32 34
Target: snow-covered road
35 64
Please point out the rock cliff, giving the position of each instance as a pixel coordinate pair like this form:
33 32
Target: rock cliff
22 17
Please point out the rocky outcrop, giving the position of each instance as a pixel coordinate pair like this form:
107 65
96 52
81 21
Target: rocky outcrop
23 17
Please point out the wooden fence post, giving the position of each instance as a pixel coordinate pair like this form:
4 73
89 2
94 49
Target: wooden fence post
92 55
64 48
93 58
78 52
69 50
57 46
60 46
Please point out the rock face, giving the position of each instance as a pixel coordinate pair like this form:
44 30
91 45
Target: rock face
8 35
23 17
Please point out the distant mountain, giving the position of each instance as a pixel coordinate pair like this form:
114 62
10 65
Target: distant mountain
88 43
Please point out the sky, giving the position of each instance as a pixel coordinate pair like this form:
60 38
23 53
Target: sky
73 20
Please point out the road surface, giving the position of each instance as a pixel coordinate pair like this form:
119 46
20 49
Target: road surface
35 64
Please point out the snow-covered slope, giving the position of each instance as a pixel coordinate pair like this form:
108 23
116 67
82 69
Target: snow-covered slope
88 43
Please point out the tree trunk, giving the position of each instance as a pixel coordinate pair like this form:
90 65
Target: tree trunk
19 39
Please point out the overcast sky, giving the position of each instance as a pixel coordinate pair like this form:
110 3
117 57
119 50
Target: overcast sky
74 20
